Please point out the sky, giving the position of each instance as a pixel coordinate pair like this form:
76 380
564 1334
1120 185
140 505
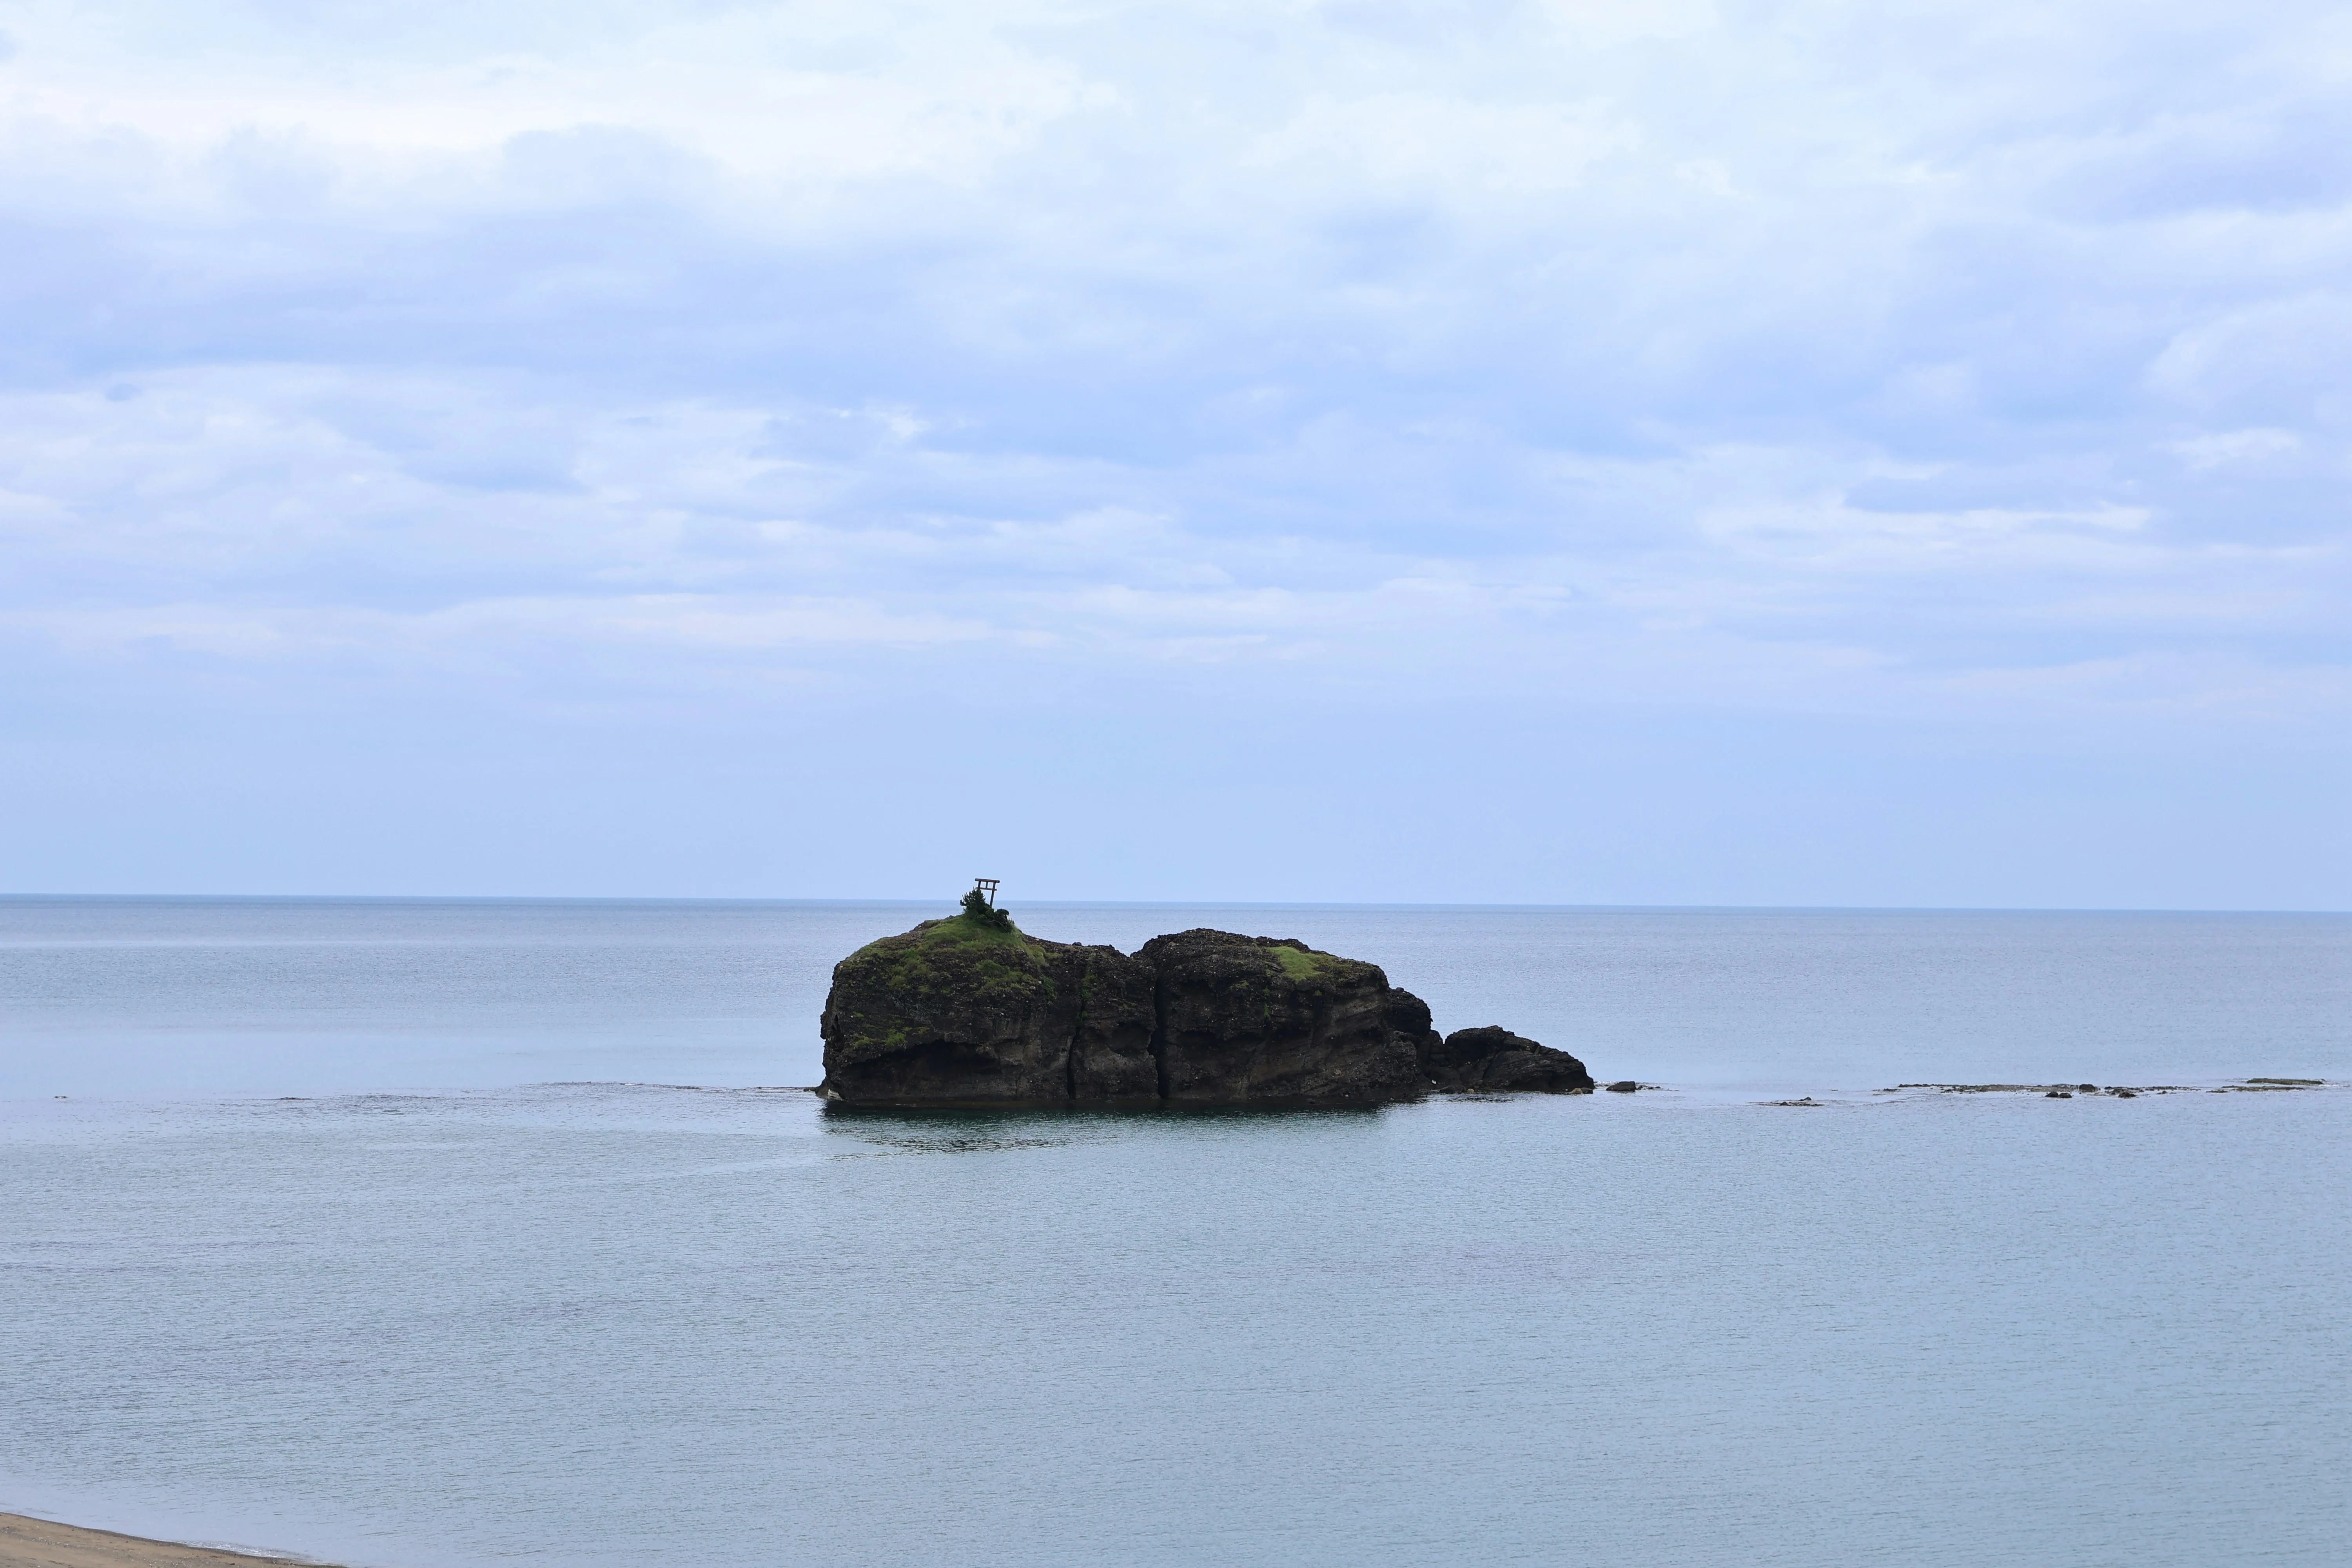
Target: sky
1668 453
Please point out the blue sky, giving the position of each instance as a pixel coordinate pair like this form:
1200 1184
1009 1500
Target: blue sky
1622 453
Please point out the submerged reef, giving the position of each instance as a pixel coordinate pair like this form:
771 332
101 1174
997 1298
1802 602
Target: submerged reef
970 1010
2120 1091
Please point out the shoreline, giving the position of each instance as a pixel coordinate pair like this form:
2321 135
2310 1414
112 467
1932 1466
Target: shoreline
30 1542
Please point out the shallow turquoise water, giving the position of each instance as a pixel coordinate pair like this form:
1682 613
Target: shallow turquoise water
592 1323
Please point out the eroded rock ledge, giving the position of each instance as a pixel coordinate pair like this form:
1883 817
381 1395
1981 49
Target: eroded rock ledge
971 1011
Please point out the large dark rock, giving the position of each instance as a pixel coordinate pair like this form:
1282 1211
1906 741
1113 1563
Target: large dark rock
971 1011
1493 1060
1267 1018
961 1011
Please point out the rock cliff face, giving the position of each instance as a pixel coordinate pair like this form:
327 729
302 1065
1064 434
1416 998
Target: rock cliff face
970 1011
1256 1017
958 1011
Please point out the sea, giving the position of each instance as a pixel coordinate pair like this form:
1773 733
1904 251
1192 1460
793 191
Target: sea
419 1234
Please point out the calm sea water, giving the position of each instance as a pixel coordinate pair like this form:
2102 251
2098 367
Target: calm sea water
489 1292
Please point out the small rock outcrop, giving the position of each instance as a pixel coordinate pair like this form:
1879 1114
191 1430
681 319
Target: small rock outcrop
971 1011
1492 1061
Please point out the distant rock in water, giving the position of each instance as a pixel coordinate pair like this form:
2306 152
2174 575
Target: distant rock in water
1493 1059
971 1011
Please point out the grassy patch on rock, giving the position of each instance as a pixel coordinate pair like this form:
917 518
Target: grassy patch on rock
1301 965
897 991
1307 967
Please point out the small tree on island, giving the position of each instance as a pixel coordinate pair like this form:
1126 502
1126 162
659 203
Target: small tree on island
977 907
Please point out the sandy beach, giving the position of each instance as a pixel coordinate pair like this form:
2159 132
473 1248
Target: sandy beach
40 1543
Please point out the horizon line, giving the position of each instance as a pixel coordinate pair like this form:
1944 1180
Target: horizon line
1462 905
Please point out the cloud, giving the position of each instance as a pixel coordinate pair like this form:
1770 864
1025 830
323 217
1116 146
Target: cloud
1947 363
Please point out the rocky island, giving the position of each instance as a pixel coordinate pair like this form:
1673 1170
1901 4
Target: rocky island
971 1011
